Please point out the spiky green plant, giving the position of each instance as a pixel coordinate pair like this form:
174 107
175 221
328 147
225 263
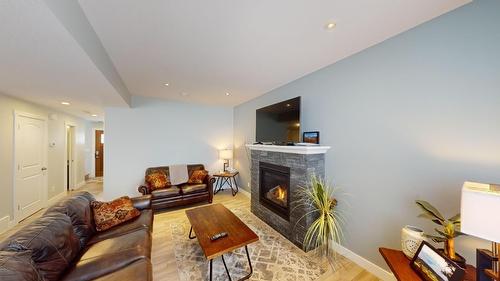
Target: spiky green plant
450 226
319 199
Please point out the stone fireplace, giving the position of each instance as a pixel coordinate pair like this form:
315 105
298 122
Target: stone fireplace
278 173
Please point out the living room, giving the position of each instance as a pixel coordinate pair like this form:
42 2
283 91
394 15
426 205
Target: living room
147 123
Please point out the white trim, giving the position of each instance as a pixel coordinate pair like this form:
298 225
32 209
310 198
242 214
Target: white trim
245 193
72 181
56 198
4 224
296 149
364 263
45 188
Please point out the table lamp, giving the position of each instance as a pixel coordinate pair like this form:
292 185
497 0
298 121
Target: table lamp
480 217
226 155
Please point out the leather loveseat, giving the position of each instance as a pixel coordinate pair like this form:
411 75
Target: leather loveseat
179 195
63 245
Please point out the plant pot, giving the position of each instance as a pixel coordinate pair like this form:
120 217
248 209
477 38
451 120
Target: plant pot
411 237
459 260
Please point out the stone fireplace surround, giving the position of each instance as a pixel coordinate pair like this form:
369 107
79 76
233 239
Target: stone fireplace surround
303 161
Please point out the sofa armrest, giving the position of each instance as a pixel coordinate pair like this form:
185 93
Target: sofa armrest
142 202
143 189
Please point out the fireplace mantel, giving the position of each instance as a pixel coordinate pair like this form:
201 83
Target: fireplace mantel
297 149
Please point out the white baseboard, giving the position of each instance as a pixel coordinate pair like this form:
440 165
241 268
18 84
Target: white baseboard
80 184
56 198
244 192
4 224
364 263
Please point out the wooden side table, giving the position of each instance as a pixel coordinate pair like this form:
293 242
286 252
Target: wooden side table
400 266
226 177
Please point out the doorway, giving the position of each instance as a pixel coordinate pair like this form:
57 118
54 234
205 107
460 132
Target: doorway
30 164
70 176
99 153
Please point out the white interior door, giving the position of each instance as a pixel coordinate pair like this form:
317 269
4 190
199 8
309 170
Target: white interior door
31 172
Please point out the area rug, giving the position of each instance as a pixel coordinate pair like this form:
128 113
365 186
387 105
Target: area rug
273 256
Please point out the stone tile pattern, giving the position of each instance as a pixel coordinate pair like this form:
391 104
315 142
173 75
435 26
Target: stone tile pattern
302 166
273 257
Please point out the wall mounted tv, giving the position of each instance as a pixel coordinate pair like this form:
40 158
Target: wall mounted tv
279 123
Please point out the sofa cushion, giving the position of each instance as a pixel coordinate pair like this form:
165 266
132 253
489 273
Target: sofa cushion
52 242
77 207
166 192
193 188
157 180
110 214
139 270
110 255
18 266
144 221
197 176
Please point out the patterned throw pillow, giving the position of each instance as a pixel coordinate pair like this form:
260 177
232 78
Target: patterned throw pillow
158 180
197 176
109 214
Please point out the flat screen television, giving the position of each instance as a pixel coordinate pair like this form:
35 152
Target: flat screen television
279 123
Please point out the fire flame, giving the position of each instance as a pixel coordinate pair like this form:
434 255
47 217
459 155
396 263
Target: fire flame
281 193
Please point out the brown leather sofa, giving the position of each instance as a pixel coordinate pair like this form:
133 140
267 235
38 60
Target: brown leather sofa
179 195
64 245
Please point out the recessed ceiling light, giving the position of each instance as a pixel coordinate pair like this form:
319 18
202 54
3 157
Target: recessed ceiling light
65 103
166 84
94 115
228 94
184 94
330 25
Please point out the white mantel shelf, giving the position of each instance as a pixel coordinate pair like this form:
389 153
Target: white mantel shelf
297 149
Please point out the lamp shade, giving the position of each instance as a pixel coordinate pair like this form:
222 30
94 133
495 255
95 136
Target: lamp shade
480 211
226 154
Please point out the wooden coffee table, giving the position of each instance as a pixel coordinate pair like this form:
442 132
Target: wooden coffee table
210 220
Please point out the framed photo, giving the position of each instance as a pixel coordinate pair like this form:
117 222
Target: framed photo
433 266
310 137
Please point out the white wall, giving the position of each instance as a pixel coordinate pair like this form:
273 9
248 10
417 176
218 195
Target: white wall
411 118
157 132
56 155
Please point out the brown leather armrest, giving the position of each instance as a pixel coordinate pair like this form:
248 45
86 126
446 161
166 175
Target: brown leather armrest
209 181
142 202
143 189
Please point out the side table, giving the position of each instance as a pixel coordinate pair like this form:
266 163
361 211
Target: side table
226 177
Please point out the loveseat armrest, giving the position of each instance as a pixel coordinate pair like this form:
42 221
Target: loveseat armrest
142 202
143 189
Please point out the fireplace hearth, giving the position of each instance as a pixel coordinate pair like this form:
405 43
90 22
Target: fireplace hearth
274 188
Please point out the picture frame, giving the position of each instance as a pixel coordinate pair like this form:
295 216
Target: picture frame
431 265
310 137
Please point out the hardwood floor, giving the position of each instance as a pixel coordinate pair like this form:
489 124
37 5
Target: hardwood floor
163 256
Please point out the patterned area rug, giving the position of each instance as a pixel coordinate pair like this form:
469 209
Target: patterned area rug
273 256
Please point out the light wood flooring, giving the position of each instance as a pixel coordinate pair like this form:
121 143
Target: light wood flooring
163 256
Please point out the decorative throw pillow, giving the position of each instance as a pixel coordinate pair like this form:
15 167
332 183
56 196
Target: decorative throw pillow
197 176
158 180
109 214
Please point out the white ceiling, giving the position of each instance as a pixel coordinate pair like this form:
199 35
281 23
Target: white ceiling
203 48
246 48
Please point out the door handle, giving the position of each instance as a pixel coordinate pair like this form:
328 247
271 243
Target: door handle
44 169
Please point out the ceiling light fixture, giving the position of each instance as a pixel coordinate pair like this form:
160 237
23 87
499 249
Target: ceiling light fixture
330 25
166 84
65 103
228 94
94 115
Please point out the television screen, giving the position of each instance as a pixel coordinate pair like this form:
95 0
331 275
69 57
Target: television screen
279 123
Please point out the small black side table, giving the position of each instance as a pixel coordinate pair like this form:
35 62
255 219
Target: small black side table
226 177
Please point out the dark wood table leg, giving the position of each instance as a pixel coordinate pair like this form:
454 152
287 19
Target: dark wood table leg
211 270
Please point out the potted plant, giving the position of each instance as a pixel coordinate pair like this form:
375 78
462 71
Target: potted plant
448 232
318 198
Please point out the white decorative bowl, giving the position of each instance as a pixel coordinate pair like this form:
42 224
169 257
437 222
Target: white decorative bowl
411 237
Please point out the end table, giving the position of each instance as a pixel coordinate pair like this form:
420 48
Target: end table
226 177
